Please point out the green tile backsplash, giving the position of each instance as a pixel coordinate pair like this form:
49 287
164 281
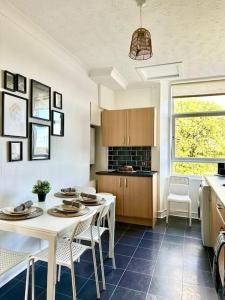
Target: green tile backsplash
138 157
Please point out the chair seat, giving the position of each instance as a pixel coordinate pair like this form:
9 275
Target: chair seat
63 253
9 259
178 198
86 235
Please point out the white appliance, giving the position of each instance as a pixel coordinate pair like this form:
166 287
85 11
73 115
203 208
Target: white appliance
205 213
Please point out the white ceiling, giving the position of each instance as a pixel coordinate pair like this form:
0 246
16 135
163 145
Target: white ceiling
98 32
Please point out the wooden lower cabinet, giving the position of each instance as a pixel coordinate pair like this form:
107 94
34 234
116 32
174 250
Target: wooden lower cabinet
114 185
217 218
136 197
217 225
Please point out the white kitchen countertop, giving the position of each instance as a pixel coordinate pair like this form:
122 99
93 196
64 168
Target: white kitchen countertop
216 183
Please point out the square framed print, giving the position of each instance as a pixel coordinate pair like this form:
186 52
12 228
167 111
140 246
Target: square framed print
14 116
57 123
40 100
9 81
15 152
57 100
39 141
21 84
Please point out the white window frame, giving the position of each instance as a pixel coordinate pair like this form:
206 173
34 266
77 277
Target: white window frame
193 114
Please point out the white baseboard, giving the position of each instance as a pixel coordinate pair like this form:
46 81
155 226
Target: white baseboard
177 213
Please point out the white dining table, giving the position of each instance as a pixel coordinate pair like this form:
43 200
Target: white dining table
49 228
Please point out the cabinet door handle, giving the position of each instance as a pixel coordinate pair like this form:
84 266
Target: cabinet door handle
219 206
124 140
126 185
120 182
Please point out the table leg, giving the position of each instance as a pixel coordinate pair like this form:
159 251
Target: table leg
112 223
51 268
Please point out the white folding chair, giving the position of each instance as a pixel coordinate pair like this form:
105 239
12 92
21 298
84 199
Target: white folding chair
97 233
179 193
67 252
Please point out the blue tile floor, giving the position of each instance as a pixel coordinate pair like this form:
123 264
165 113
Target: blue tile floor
167 262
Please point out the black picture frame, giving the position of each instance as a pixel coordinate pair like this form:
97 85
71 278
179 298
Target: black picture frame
57 115
13 118
39 92
9 81
21 83
57 100
11 149
37 137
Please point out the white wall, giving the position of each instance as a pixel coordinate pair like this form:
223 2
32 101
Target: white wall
136 98
164 142
23 51
106 97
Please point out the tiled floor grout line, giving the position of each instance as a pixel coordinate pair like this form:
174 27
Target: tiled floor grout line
86 280
195 238
155 265
127 264
182 282
17 282
89 278
115 243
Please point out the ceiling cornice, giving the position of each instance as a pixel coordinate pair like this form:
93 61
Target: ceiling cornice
11 13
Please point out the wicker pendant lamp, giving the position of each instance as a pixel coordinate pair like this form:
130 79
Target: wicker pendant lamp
141 44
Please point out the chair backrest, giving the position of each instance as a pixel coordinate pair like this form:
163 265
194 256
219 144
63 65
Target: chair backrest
179 185
9 259
104 212
85 223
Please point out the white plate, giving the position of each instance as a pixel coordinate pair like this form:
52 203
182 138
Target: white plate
89 200
69 208
68 193
10 211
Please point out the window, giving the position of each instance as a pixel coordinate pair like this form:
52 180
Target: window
198 125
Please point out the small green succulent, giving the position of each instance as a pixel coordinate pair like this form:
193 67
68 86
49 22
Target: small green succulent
41 187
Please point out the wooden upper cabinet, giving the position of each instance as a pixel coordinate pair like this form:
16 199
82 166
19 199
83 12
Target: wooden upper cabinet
137 197
141 127
113 128
130 127
114 185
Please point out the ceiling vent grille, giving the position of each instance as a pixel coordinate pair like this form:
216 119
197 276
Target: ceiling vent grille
162 71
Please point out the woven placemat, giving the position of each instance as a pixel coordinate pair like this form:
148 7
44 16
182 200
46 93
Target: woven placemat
56 213
60 195
98 203
36 212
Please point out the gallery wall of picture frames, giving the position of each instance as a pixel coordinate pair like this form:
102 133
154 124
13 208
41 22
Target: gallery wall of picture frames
15 116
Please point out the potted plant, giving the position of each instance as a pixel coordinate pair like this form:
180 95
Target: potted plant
42 188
